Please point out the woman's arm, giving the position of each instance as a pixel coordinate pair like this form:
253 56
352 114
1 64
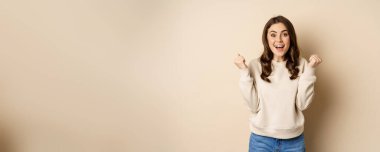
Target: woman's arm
246 84
306 82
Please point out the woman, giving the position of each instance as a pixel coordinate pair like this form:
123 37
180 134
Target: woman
277 87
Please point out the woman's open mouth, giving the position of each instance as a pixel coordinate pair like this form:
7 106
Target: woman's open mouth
279 47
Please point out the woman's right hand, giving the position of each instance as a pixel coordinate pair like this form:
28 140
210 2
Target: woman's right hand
240 62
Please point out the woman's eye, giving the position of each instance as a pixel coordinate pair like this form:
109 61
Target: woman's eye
273 35
286 34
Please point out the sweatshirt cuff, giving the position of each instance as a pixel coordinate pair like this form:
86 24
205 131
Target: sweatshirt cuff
244 72
310 71
244 75
309 74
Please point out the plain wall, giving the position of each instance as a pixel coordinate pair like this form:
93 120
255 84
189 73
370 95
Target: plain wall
142 76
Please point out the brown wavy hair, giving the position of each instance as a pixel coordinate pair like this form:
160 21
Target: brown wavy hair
291 56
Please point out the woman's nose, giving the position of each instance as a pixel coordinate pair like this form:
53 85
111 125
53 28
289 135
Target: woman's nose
279 39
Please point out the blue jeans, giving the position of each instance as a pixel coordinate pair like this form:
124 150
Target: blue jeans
259 143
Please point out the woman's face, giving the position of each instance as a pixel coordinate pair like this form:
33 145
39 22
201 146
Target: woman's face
278 40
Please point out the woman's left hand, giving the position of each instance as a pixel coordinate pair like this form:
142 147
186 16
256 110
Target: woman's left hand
314 61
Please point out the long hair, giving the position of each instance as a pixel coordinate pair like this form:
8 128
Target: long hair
291 56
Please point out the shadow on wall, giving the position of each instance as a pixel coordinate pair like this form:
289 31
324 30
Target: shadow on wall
323 101
318 111
6 144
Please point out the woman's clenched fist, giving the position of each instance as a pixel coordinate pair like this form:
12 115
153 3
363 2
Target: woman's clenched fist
240 62
314 61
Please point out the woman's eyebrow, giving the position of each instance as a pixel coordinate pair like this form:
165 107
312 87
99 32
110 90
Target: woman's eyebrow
280 32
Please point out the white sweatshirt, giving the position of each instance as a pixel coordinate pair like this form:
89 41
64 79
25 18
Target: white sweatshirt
276 107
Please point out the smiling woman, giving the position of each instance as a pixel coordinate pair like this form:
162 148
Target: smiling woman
277 87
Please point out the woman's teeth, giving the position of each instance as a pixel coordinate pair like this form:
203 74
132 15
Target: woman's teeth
279 46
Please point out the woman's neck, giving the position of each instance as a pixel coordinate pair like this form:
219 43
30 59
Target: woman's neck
278 59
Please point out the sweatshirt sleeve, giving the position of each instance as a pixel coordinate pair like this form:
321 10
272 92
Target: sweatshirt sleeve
305 91
248 90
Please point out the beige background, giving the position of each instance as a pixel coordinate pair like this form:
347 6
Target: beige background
144 76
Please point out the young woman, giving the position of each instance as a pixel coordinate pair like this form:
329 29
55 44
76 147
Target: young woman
277 87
